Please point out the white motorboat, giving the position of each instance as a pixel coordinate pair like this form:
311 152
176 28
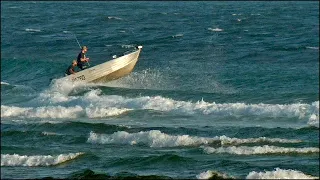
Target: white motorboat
107 71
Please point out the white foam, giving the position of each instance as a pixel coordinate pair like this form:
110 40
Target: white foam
49 133
37 160
205 175
266 149
208 174
156 138
310 47
63 87
60 112
177 35
32 30
314 118
227 140
4 83
152 138
57 98
113 17
215 29
41 112
11 111
96 112
279 174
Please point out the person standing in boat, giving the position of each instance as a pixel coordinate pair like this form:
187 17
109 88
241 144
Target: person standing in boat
70 69
82 59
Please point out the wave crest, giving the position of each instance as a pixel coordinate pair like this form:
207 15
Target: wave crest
156 138
279 174
40 160
266 149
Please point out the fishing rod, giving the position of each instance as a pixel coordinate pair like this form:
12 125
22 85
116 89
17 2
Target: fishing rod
77 40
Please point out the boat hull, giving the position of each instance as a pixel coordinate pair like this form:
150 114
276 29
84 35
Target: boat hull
118 74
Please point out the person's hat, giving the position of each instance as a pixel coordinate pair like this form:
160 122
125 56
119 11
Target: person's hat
84 47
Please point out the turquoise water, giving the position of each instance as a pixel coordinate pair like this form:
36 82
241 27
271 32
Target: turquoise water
227 88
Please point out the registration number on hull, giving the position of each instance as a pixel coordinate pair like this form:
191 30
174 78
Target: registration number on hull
79 78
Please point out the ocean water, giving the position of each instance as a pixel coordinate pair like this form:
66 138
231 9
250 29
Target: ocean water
221 89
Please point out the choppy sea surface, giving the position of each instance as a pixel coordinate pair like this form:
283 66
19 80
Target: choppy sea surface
221 89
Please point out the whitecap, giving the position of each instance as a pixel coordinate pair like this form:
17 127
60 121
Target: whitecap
215 29
49 133
113 17
58 112
156 138
309 47
266 149
177 35
98 112
279 174
314 118
32 30
209 174
94 104
4 83
36 160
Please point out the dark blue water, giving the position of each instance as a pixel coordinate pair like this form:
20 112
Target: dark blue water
221 88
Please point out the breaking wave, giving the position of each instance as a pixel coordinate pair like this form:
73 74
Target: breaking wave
213 175
279 174
92 105
60 112
38 160
156 138
56 103
275 174
266 149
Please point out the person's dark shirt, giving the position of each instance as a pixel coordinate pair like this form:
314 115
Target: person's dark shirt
79 62
68 71
80 56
